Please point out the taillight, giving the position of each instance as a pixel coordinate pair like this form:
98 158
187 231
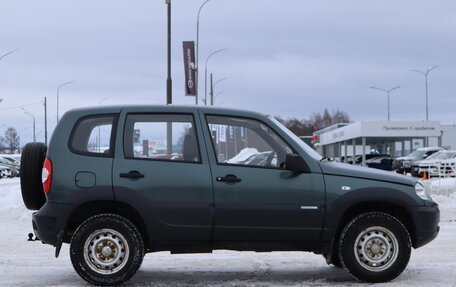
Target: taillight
46 175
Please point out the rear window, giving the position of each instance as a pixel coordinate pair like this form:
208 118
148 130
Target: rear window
92 135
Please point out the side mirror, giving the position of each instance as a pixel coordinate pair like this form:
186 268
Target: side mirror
295 162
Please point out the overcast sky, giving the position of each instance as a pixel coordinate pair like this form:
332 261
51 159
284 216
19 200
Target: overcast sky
289 58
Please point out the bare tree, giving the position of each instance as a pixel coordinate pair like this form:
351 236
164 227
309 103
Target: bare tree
10 140
317 121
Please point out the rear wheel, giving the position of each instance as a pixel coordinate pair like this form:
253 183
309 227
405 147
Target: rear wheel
32 159
375 247
106 249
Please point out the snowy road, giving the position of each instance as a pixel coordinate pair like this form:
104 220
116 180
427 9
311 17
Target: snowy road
25 263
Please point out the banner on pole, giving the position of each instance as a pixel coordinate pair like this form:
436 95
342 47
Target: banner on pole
222 133
242 132
231 133
189 66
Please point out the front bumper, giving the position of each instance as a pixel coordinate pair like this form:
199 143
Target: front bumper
427 227
50 220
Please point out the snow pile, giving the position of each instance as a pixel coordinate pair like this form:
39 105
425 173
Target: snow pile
243 155
12 209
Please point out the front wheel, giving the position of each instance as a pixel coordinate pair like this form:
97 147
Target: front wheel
375 247
106 249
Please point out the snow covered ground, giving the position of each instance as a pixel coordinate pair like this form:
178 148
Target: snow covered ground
25 263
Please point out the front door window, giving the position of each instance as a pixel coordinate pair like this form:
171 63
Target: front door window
247 142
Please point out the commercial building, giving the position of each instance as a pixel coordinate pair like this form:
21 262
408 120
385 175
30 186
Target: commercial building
396 138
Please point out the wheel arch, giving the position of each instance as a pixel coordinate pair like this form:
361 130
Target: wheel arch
346 207
88 209
396 210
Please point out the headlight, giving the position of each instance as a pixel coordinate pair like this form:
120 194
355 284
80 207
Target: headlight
422 192
406 163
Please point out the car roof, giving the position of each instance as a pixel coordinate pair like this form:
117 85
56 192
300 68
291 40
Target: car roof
430 148
163 108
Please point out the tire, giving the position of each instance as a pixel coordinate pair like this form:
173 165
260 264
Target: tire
32 160
375 247
106 249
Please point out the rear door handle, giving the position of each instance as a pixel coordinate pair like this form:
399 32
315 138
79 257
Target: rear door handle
132 174
229 178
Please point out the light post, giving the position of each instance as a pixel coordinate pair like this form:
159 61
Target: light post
102 100
197 51
58 92
33 117
218 81
169 81
215 85
205 72
388 96
169 85
7 54
425 74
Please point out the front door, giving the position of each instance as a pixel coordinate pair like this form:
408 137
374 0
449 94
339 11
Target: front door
160 169
256 199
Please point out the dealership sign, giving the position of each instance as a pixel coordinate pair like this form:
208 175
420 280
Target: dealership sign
189 66
387 129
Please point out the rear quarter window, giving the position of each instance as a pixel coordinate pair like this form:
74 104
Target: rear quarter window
93 135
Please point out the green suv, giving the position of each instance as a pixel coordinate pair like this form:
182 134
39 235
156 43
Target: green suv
118 182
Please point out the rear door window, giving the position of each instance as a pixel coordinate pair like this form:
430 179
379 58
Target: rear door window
93 135
167 137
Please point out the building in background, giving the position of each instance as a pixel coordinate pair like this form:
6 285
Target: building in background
396 138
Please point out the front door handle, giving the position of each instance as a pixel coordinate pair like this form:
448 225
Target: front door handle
229 178
132 174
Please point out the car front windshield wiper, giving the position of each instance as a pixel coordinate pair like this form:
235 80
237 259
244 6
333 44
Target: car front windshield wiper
325 158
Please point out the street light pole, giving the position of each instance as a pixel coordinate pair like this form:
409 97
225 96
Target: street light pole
45 122
388 96
205 72
197 51
33 117
169 82
7 54
425 74
58 92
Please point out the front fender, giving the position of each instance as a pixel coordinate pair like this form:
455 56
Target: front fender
362 198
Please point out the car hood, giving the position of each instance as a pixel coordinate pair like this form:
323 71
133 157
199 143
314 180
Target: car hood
406 158
347 170
429 161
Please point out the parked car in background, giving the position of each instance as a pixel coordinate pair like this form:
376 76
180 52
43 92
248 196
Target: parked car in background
261 159
431 163
405 163
359 158
5 171
448 167
243 156
11 164
384 162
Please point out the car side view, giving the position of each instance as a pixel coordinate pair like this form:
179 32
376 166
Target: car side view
119 182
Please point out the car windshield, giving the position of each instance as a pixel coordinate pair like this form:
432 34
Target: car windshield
310 151
417 154
442 155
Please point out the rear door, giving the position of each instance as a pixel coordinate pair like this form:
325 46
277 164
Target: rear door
161 169
256 199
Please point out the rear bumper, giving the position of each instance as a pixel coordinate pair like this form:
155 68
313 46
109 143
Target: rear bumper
428 228
50 220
